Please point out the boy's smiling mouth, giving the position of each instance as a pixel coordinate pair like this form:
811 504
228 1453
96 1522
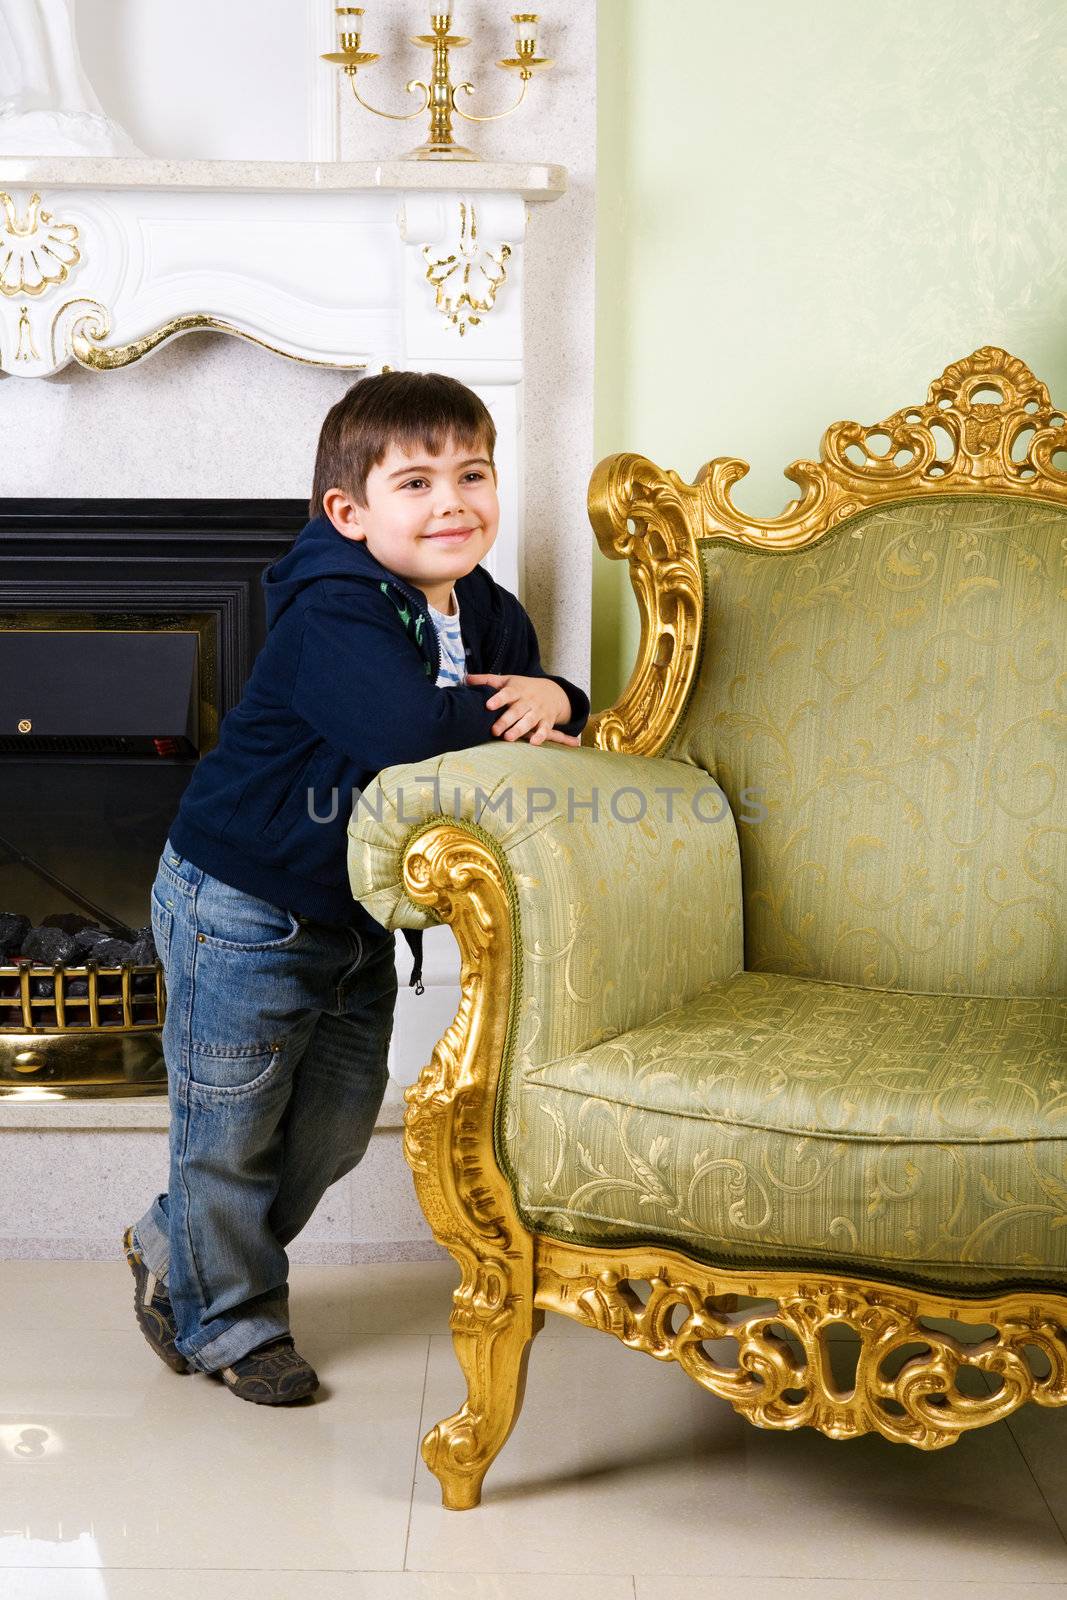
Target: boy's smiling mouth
451 533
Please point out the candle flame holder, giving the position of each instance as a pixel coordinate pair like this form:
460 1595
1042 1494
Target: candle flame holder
439 95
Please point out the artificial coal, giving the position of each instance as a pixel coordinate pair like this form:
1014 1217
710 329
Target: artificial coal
87 944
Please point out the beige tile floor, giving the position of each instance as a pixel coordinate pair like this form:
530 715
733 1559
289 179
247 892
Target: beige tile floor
622 1480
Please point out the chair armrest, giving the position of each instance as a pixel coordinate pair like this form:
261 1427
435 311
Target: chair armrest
618 920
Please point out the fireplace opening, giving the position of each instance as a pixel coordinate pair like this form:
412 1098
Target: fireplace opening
127 630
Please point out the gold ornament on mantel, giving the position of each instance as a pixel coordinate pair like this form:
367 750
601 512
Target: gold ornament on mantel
440 93
36 251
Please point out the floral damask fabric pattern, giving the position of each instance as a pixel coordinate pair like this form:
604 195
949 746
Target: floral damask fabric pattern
775 1119
898 691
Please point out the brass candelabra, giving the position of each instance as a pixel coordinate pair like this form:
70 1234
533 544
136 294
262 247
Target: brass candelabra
440 93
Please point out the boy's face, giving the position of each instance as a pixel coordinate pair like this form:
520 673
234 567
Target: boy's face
430 519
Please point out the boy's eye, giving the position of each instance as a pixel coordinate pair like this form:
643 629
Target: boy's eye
414 483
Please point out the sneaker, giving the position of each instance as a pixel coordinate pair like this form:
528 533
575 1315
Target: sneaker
155 1314
271 1375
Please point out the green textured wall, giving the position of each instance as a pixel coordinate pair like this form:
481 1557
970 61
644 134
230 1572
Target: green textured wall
806 209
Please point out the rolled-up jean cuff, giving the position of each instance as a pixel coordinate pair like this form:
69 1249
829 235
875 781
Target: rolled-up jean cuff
155 1245
245 1335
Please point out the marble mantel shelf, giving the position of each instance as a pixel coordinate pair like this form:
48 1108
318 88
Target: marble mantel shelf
356 265
534 181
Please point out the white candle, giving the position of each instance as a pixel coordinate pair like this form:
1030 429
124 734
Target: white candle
526 31
440 10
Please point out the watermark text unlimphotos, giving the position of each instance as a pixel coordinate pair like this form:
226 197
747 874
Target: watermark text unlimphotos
626 804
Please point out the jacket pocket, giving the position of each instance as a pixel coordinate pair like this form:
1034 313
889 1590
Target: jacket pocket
303 804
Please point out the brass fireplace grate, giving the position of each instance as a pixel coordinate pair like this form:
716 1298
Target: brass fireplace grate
60 1045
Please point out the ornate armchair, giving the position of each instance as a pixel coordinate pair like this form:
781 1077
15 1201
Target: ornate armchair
763 1026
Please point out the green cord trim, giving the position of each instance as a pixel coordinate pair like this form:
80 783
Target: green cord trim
798 1261
504 1079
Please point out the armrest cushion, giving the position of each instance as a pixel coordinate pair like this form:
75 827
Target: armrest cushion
619 919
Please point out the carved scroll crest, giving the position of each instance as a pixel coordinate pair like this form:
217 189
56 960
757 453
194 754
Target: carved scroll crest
987 425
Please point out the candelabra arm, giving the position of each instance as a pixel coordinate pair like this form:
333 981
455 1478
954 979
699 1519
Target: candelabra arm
394 116
496 116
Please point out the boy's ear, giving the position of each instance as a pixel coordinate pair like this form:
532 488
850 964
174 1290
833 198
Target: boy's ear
343 512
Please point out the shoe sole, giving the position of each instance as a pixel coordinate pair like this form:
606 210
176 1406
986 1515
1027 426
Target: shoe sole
149 1320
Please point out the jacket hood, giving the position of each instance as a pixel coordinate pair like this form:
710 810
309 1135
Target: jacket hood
319 551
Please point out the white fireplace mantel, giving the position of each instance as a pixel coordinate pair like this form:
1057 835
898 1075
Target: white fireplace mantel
354 265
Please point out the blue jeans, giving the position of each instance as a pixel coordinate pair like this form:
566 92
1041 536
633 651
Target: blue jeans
276 1040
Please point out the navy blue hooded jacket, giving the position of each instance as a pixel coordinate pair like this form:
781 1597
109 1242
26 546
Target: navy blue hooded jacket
344 685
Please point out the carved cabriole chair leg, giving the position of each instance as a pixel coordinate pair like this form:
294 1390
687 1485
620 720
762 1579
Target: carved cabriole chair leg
493 1325
456 869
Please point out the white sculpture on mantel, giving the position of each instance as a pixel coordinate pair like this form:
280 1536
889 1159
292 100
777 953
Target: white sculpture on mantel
47 104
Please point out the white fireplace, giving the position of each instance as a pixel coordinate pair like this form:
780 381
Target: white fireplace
213 312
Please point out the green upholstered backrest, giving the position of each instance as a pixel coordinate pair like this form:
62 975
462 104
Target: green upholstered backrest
898 691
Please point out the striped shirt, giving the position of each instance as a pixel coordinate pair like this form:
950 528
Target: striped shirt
453 658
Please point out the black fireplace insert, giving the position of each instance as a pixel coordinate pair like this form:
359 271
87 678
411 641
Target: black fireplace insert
128 629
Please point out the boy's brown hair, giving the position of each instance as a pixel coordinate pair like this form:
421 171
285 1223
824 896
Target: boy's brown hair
412 410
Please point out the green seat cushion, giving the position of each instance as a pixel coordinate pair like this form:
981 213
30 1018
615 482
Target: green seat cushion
775 1121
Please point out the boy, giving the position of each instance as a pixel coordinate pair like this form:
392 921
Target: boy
281 987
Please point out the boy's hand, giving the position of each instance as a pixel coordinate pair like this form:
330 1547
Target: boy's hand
533 706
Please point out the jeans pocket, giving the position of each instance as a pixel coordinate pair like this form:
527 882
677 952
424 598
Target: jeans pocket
221 1074
230 919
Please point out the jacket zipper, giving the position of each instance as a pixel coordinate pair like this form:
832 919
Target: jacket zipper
421 603
500 649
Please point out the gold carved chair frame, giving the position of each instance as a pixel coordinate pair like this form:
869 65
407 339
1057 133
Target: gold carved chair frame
982 411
